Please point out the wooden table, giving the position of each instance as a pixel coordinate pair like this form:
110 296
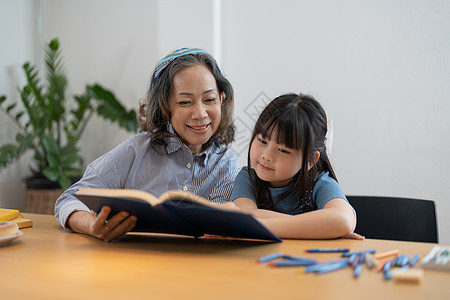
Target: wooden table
50 263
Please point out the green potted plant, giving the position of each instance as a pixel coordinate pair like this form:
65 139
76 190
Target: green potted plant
50 124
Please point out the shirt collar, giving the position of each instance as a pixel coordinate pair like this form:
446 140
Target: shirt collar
173 144
203 157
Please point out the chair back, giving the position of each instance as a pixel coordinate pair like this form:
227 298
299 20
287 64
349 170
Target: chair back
392 218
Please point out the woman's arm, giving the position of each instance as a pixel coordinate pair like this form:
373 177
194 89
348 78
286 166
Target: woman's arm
336 219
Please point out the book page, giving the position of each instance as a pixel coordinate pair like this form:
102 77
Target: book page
120 193
180 195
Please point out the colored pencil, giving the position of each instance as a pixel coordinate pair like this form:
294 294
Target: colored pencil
326 250
386 254
269 257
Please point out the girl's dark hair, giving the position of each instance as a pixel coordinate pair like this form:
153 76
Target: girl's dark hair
299 122
154 112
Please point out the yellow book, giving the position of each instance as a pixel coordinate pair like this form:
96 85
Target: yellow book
15 216
23 222
8 214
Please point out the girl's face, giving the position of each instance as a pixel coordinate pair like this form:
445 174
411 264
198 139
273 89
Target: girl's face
195 106
274 162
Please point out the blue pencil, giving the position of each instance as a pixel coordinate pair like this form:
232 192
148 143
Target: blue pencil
388 275
357 270
269 257
346 254
403 261
387 266
332 267
352 259
292 263
414 260
294 257
314 268
325 250
395 260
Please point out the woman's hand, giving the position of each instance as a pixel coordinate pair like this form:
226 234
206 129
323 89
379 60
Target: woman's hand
99 226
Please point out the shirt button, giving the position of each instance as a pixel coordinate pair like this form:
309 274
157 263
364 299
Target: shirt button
188 165
185 188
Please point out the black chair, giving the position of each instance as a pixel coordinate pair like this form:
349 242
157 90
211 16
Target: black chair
392 218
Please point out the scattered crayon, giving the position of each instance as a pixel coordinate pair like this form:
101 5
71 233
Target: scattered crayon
269 257
332 267
381 265
357 271
327 250
346 254
355 259
352 258
293 263
395 260
357 268
314 268
387 266
370 261
403 260
414 260
293 257
388 275
386 254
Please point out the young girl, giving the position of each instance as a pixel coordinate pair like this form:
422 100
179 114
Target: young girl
290 184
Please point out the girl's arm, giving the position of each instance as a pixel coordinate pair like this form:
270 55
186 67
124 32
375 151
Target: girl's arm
336 219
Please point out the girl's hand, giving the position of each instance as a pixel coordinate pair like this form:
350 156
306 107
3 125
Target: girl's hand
354 236
99 226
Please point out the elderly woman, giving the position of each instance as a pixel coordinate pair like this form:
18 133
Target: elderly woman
186 123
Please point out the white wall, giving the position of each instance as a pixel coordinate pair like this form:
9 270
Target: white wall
380 68
109 42
18 41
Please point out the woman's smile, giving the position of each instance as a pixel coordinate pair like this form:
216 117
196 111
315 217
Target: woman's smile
199 129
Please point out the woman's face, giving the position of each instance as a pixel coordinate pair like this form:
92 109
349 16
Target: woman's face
195 106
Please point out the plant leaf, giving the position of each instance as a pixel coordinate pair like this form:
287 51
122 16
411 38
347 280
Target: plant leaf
64 182
25 142
111 109
52 129
51 149
51 173
10 107
19 115
54 44
8 152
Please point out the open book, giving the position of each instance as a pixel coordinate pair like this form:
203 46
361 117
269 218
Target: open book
177 212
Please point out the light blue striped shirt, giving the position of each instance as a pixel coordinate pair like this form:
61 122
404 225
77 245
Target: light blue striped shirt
138 164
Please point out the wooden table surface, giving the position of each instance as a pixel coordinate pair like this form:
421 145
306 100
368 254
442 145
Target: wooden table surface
50 263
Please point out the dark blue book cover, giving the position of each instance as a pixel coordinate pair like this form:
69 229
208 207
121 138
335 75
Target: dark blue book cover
177 212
